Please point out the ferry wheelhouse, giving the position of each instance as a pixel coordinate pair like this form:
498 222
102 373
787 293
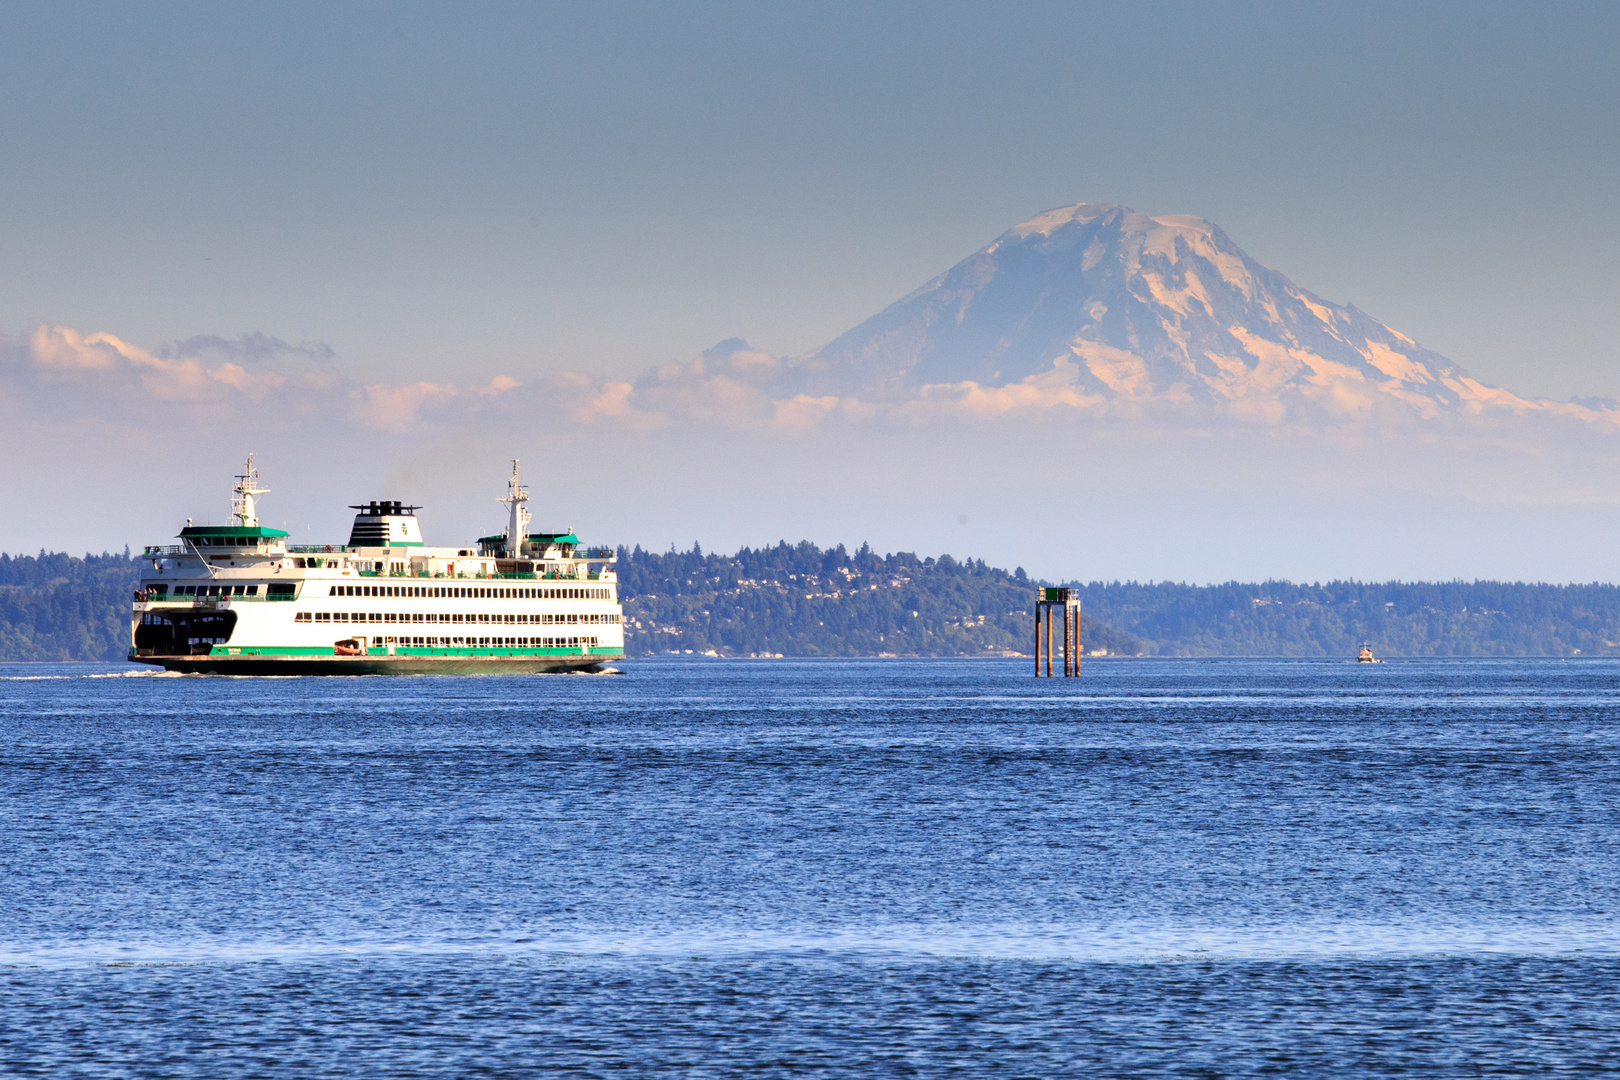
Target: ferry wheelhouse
239 599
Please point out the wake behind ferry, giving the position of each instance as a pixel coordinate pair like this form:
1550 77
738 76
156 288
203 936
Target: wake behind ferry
238 599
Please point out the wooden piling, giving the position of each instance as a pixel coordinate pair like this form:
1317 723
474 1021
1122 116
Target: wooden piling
1037 640
1065 641
1048 641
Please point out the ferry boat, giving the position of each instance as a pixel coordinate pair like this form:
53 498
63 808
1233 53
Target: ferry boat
239 599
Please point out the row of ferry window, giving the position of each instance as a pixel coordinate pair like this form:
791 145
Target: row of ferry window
273 589
471 592
486 642
430 617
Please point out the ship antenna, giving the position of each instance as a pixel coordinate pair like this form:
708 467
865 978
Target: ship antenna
517 525
243 507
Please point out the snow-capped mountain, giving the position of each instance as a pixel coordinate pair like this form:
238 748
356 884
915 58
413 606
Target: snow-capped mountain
1106 304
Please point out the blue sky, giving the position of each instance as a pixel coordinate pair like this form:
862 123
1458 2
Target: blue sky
455 193
610 185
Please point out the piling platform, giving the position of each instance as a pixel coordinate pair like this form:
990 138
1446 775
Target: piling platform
1069 603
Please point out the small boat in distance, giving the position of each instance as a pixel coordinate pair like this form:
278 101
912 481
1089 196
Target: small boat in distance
1366 656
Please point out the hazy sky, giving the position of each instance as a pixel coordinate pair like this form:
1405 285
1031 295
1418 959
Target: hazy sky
476 225
518 188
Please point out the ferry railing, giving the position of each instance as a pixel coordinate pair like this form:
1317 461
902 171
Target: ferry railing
595 575
176 598
208 550
151 550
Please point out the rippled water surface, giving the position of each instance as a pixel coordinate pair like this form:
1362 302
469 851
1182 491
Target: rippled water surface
714 868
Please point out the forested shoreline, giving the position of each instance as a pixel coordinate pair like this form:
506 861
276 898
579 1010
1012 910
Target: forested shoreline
55 606
1279 618
802 600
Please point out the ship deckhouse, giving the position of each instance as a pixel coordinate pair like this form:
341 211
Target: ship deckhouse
385 524
239 598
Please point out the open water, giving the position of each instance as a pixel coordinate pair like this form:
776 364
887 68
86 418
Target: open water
836 868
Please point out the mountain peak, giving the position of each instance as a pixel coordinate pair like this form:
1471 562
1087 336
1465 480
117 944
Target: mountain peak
1105 303
1049 221
1129 221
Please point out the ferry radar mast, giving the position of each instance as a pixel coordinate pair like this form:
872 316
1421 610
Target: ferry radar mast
517 525
243 509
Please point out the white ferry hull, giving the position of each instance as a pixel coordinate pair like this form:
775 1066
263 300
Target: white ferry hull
377 665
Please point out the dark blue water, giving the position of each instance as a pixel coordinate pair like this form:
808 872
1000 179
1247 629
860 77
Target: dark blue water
889 868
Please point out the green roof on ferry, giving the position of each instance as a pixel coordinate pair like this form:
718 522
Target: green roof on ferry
231 530
545 538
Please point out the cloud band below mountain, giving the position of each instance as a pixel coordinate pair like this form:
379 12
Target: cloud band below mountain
1091 368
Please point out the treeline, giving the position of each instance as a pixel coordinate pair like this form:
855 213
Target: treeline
1396 618
792 600
801 600
60 607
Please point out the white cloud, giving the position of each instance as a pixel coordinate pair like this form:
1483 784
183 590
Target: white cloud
62 373
730 448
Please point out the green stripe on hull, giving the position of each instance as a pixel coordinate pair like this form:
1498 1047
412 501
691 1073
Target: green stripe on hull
306 664
413 650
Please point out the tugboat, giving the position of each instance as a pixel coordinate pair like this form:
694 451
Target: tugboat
238 599
1366 656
